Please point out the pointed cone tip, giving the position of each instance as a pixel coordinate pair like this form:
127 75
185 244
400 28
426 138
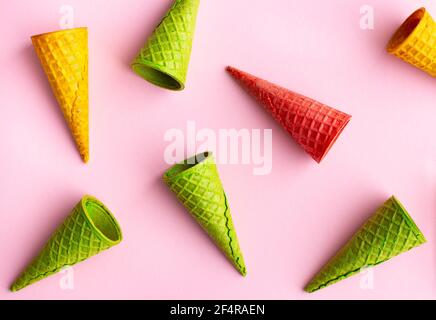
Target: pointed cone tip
309 288
233 71
242 270
85 157
238 262
15 287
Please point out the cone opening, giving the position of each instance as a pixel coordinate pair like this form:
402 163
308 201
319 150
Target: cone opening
157 77
406 29
102 220
334 138
59 31
187 165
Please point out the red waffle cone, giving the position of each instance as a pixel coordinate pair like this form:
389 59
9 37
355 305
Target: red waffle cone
313 125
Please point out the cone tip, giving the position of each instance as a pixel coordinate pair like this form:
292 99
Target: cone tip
311 288
307 289
232 70
243 271
85 157
15 287
237 74
239 263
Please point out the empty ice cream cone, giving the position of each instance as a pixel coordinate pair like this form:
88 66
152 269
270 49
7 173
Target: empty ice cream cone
89 229
64 58
388 233
198 187
164 59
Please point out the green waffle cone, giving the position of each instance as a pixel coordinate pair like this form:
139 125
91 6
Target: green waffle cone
165 57
388 233
89 229
197 185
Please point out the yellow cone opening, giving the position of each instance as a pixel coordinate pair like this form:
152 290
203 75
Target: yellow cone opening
45 34
406 29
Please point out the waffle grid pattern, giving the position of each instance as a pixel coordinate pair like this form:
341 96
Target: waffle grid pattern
419 49
313 125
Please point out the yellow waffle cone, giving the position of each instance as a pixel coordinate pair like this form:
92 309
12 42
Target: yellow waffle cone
415 41
64 57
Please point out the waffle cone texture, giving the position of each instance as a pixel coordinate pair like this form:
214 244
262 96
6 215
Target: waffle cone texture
164 59
64 58
415 41
313 125
388 233
197 185
88 230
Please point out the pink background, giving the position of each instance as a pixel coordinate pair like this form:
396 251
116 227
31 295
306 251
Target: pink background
289 222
